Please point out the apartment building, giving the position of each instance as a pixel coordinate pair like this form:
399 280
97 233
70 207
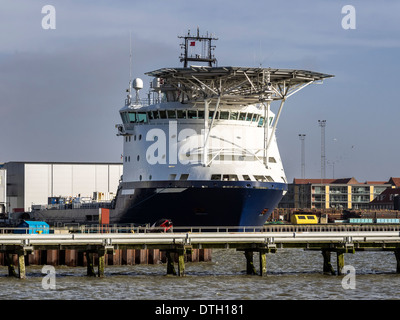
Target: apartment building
347 193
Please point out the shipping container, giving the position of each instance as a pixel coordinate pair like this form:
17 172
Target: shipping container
33 227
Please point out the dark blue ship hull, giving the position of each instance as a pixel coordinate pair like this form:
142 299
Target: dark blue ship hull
199 203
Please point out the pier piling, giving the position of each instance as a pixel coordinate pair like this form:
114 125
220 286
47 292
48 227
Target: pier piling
90 264
340 262
181 262
327 267
250 269
170 262
102 259
21 264
263 263
10 264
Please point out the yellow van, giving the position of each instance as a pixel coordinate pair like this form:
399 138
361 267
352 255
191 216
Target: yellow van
304 219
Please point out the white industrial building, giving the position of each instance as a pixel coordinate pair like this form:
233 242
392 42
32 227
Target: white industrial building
33 183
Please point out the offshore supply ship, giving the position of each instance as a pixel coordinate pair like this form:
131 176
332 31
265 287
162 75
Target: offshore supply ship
202 149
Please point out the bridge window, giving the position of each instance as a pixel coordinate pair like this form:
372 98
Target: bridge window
234 115
181 114
211 115
224 115
192 114
163 114
124 117
242 116
171 114
184 176
215 177
132 117
141 117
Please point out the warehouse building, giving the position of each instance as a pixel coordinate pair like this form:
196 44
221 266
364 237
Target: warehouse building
34 183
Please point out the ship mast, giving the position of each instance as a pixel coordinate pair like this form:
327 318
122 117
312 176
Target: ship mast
197 48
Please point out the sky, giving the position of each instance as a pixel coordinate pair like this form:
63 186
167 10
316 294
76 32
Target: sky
61 88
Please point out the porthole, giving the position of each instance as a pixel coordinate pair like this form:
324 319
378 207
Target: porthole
138 157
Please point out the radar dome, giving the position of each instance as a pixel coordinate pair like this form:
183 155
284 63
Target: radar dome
137 84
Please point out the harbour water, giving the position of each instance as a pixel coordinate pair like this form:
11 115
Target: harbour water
293 274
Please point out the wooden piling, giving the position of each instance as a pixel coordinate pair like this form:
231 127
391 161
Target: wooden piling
263 263
397 255
10 264
170 263
90 264
250 269
102 259
21 264
327 267
181 262
340 262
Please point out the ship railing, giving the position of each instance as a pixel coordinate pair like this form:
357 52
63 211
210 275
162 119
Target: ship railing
131 228
75 205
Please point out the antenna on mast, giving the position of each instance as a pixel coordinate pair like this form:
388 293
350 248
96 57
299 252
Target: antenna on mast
128 99
130 55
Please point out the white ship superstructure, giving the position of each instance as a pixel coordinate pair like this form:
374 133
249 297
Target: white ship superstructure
203 149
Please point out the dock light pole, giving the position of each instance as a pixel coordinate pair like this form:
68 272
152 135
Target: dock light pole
322 124
303 157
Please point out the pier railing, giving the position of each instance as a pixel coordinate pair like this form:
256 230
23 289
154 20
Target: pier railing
124 228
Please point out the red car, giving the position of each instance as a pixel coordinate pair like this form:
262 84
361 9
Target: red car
162 225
